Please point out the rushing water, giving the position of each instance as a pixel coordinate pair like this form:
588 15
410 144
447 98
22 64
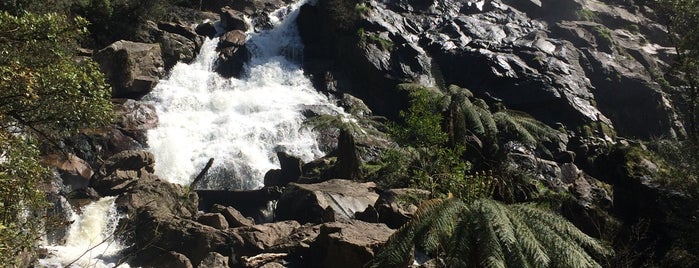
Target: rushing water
89 241
241 123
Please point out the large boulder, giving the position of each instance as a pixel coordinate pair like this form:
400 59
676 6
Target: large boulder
132 69
326 201
232 19
233 216
154 234
134 118
120 170
75 173
347 244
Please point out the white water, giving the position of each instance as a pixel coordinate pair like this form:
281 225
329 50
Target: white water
89 242
241 123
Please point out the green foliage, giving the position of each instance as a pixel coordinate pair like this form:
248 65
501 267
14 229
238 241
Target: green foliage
681 18
421 123
588 15
486 233
20 198
45 94
520 127
112 20
44 89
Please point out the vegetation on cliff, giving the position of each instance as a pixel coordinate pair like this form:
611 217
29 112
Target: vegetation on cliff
46 93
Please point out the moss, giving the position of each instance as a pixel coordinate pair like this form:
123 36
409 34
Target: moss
362 9
604 34
588 15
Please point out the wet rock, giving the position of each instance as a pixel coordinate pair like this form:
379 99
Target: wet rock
132 69
215 220
347 244
235 38
206 29
231 60
135 117
232 216
96 145
177 48
326 201
232 19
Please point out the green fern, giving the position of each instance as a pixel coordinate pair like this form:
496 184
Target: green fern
518 126
487 233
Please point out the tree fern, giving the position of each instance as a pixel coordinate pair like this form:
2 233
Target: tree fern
487 233
523 128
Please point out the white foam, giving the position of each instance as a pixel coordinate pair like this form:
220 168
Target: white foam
241 123
89 241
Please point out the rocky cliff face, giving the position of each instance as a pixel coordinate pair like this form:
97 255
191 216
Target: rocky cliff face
575 62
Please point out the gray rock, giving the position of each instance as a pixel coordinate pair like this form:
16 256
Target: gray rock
326 201
131 68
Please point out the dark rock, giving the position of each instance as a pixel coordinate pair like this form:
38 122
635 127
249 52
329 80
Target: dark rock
348 165
215 220
348 244
324 202
131 68
206 29
75 173
354 105
175 260
235 38
268 237
129 160
231 60
232 19
135 117
96 145
154 234
120 170
393 207
214 260
252 203
178 29
177 48
233 217
290 166
150 193
273 177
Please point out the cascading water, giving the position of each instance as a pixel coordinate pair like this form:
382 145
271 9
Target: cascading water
241 123
89 242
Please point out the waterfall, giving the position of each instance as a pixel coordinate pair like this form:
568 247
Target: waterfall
89 242
241 123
